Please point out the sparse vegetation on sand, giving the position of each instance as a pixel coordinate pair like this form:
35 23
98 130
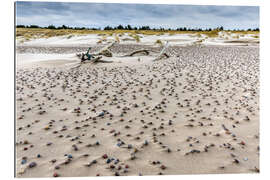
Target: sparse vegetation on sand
159 42
37 32
256 36
212 34
70 36
136 37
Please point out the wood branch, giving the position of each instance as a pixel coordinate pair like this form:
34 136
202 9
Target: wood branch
140 51
162 53
102 61
162 56
146 52
166 55
79 55
105 51
92 61
97 60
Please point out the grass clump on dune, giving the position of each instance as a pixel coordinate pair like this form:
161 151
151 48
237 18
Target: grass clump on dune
256 36
211 34
159 42
32 33
70 36
136 37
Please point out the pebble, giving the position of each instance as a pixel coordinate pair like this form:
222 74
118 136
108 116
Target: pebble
146 143
236 161
163 167
101 114
32 164
23 161
105 156
55 175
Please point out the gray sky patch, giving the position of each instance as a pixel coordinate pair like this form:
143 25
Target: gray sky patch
167 16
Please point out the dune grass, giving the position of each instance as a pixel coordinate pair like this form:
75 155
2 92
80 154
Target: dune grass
158 42
211 34
136 37
256 36
32 33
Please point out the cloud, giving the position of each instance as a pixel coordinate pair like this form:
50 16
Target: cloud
169 16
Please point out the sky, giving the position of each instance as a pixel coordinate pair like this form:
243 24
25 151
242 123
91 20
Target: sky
99 15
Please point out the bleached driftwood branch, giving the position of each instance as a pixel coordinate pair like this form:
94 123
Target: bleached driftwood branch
105 51
162 53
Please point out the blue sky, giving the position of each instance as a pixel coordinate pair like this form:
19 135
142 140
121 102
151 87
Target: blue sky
167 16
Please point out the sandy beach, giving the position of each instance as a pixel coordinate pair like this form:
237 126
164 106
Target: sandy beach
196 112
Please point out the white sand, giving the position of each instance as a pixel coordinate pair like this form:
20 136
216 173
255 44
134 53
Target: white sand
177 39
178 105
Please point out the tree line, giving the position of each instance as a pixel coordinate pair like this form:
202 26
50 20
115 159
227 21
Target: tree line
129 27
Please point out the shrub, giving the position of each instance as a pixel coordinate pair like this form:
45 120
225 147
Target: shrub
158 41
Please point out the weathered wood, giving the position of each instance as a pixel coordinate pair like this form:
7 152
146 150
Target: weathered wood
102 61
105 51
162 53
146 52
97 60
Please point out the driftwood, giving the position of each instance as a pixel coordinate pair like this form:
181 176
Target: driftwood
146 52
97 56
94 60
105 51
102 61
162 53
98 60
